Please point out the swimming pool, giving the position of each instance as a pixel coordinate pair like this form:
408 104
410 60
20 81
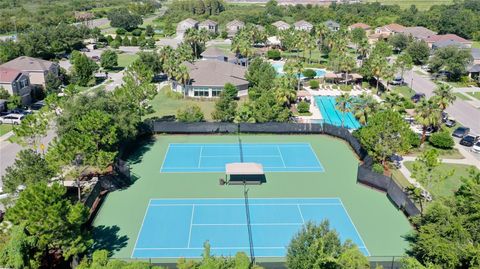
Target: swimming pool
278 66
331 115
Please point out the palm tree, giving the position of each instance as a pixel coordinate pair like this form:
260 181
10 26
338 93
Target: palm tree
444 96
394 101
364 105
192 37
299 68
321 30
347 63
183 77
427 114
342 104
285 95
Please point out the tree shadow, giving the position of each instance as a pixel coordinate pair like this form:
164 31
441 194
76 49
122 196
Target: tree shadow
135 151
107 238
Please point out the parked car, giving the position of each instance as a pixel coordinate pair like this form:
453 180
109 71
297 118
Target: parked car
85 50
468 140
37 105
450 122
476 147
417 97
460 132
22 111
96 58
397 81
12 119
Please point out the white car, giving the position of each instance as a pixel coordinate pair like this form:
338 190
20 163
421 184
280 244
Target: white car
476 147
12 119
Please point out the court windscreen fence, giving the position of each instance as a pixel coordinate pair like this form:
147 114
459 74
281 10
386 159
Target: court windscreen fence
365 174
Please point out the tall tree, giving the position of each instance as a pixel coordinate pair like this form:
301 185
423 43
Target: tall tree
226 106
444 96
317 246
109 59
53 220
427 113
419 51
342 104
404 62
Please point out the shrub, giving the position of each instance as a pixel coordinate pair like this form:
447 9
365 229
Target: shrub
377 168
309 73
191 113
314 84
414 139
345 88
274 55
120 31
136 32
303 107
224 35
442 140
408 104
115 44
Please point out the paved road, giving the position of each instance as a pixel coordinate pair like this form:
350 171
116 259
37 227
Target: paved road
461 110
8 152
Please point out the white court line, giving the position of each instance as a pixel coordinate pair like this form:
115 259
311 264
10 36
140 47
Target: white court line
197 205
354 227
165 157
234 145
301 215
210 248
236 155
316 157
200 156
252 224
229 198
191 222
141 228
273 167
281 157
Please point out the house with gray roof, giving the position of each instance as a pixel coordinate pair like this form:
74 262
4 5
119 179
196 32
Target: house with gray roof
332 25
208 79
474 68
209 26
418 32
281 25
447 43
214 53
36 69
186 24
303 26
233 27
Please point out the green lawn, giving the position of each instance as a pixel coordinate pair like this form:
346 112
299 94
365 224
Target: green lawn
125 59
5 128
405 91
164 105
400 178
420 4
462 96
380 224
451 184
475 95
476 44
444 153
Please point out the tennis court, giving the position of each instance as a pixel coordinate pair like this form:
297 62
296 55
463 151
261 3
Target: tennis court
289 157
174 228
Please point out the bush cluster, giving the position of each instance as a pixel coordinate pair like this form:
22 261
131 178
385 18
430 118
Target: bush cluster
442 140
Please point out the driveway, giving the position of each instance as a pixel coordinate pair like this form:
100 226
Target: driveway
461 110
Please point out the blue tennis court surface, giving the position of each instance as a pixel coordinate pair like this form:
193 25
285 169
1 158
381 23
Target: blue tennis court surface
292 157
174 228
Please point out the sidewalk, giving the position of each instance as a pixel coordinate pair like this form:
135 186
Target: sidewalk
6 136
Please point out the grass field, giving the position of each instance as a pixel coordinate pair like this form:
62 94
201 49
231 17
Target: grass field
380 224
420 4
5 128
125 59
164 105
476 44
443 153
451 184
462 96
405 91
475 95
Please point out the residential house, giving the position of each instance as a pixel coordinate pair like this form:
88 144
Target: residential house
233 27
186 24
332 25
281 25
382 33
364 26
418 32
16 83
452 37
209 25
214 53
474 68
36 69
447 43
208 79
303 26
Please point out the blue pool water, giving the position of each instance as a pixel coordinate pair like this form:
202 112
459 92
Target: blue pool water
331 115
278 66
